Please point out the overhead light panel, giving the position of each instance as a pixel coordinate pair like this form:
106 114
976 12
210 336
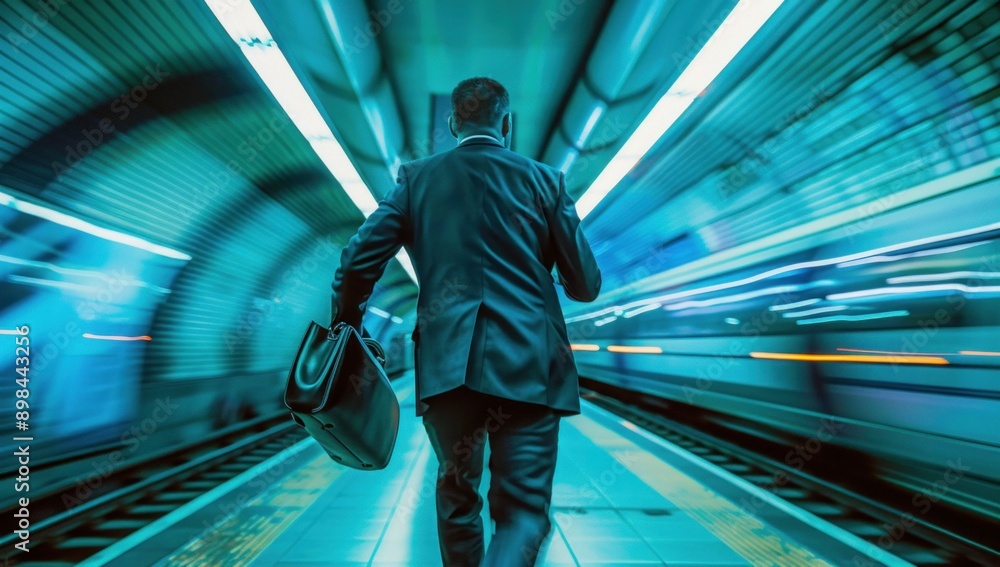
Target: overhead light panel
244 26
739 26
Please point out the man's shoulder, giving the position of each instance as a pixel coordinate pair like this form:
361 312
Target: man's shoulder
512 157
530 163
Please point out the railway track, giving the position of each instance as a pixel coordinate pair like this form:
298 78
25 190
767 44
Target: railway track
146 491
832 499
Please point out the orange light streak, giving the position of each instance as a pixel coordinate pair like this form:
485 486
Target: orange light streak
896 352
849 358
635 349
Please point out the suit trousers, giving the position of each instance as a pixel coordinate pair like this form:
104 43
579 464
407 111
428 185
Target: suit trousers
523 439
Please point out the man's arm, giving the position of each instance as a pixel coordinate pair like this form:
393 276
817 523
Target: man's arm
578 271
368 252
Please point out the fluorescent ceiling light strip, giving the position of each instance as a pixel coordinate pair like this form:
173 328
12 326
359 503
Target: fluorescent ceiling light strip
746 18
75 223
245 27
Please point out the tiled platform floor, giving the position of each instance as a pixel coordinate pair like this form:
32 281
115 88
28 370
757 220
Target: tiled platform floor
619 499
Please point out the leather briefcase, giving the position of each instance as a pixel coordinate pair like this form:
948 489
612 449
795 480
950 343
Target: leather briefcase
338 391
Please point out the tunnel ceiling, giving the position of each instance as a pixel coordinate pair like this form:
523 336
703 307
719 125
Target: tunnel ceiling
374 67
209 149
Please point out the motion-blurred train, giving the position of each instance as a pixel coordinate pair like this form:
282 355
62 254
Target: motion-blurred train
888 326
94 304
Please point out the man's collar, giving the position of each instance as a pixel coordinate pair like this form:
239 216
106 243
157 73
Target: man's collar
480 139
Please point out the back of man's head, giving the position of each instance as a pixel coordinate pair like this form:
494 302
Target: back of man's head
479 102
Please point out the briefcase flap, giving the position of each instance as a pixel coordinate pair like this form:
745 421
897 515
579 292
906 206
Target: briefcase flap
317 362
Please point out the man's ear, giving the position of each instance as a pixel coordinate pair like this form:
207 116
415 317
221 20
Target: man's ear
451 125
505 125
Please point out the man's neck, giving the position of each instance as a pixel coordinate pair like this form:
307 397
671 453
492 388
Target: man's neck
477 135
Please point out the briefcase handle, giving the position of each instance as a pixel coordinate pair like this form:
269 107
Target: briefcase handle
373 346
376 349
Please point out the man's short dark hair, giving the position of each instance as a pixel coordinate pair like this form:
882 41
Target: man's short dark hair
480 101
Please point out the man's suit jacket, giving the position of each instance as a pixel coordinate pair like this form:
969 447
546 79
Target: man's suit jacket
484 227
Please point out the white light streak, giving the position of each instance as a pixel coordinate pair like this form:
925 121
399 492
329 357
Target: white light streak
794 314
746 18
941 277
634 312
75 223
885 315
794 305
910 290
245 27
840 260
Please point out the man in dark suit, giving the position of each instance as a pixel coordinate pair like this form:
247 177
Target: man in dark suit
484 227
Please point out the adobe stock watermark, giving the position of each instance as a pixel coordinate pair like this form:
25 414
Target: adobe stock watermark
277 468
922 501
867 214
87 310
610 131
796 458
378 21
450 292
250 147
564 10
622 464
30 27
945 136
462 451
291 279
750 331
741 174
899 13
107 464
694 44
120 109
928 327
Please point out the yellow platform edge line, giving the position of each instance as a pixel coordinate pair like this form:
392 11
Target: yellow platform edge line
244 535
